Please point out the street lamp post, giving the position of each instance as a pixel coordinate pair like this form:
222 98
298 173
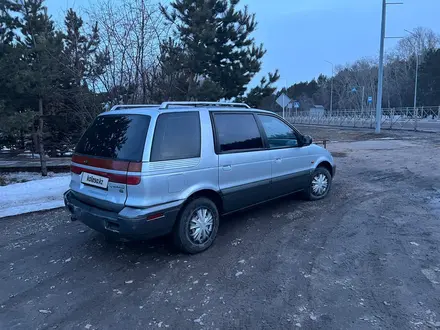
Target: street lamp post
417 51
381 56
380 78
331 87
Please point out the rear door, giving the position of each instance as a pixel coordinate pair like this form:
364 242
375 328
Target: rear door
244 164
108 157
291 162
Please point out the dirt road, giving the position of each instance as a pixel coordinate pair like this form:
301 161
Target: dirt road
367 257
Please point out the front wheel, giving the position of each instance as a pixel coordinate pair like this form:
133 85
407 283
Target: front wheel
197 226
319 185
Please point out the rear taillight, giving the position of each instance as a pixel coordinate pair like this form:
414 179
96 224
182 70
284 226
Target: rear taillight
134 167
130 178
75 169
133 180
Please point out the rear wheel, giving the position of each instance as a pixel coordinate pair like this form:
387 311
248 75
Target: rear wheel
319 185
197 226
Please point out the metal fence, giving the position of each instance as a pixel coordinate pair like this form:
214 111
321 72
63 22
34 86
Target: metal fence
423 118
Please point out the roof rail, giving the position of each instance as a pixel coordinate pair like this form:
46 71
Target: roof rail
165 105
133 106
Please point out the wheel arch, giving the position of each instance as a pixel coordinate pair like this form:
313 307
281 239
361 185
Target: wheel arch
326 164
207 193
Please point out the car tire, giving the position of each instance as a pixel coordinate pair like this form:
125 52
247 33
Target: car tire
320 177
197 225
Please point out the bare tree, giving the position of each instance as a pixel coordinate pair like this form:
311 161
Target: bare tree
132 31
353 83
398 81
422 40
352 79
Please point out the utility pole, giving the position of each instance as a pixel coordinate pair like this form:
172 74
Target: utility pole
363 99
331 87
380 78
417 77
381 56
417 51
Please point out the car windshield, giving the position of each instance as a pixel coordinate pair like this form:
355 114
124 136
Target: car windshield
119 137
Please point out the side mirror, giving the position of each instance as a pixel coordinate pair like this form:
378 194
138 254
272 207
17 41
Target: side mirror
307 140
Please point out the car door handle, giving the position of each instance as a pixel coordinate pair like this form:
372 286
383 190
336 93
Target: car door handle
227 167
277 160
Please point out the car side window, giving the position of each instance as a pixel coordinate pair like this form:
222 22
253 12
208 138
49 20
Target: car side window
237 131
177 136
279 135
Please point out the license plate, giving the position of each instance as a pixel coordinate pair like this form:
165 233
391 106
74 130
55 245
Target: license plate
94 180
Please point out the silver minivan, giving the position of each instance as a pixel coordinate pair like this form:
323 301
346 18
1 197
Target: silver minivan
144 171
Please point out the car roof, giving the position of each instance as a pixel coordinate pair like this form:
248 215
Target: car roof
155 111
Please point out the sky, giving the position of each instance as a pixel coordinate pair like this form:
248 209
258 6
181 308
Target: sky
300 35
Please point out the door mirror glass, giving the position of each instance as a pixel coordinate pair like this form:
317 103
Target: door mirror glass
307 140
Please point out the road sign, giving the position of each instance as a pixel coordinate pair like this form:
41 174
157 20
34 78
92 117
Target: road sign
283 100
370 99
296 104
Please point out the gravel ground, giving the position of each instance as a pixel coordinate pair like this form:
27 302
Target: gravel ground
337 134
366 257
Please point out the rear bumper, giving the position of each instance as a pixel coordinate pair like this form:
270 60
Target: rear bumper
129 223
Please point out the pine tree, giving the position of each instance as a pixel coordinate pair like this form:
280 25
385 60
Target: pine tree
48 77
257 94
83 63
16 120
39 77
430 78
8 23
216 48
7 52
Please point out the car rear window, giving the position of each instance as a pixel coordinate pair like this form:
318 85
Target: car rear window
119 137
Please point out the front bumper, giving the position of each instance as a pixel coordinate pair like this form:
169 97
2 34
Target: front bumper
129 223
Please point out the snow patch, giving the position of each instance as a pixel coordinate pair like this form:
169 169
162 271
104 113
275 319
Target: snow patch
37 195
